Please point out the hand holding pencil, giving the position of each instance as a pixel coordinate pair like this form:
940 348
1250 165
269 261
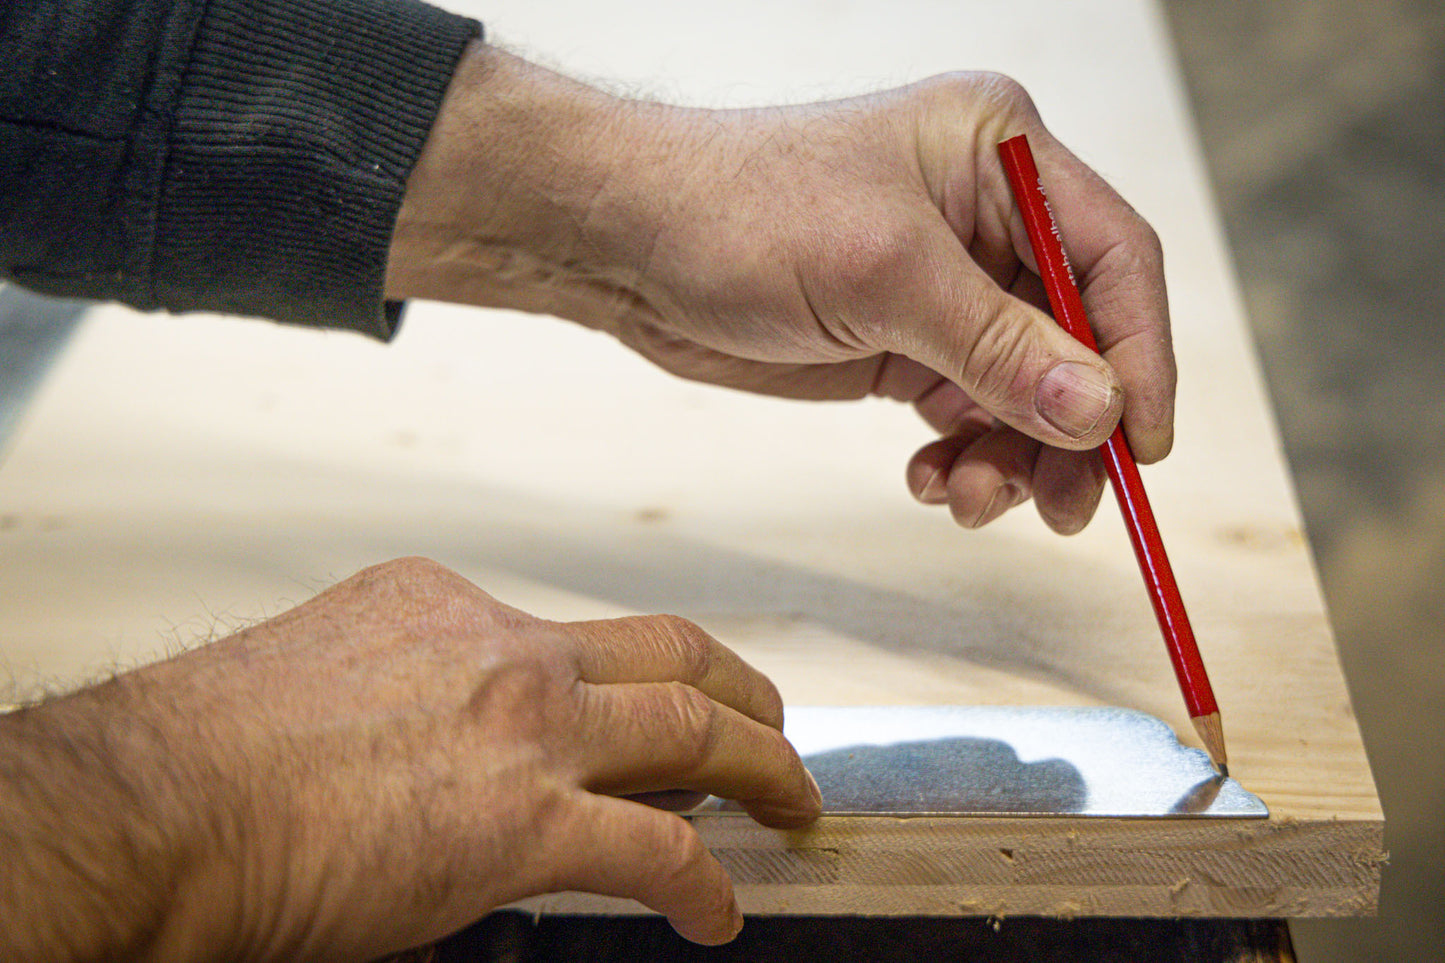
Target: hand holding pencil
822 251
1063 292
990 457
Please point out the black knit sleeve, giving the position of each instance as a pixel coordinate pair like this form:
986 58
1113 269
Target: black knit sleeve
246 156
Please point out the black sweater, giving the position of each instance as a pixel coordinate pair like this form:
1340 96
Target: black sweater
243 156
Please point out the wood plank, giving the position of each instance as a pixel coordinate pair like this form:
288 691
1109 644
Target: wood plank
178 476
1063 868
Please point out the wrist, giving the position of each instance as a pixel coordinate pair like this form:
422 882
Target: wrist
506 177
528 177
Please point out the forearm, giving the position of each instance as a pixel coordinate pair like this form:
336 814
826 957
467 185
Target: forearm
92 831
529 177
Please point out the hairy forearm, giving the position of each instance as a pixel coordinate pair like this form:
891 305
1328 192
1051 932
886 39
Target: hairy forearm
527 179
500 178
91 830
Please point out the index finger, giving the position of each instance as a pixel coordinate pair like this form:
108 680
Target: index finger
666 736
667 648
1119 263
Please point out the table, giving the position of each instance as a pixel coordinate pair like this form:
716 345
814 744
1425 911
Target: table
177 477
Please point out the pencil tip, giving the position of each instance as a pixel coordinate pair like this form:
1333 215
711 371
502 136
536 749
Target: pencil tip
1211 732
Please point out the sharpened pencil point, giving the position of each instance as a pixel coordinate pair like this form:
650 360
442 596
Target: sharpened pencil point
1211 733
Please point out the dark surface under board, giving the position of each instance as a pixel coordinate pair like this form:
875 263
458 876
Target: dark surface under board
514 937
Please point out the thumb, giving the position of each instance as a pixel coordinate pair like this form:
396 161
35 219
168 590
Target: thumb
1010 357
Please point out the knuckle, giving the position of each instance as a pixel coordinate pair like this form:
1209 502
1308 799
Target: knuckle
683 847
422 584
1139 258
1135 260
691 717
879 255
1004 90
526 696
689 644
770 705
982 91
1000 356
1150 246
412 569
521 686
484 616
550 803
874 263
971 87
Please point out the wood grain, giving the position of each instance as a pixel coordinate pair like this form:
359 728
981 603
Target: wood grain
1063 868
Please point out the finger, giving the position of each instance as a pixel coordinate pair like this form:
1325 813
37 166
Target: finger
929 468
1006 354
1119 263
618 848
667 648
1067 487
903 379
672 800
652 737
1028 287
950 411
990 476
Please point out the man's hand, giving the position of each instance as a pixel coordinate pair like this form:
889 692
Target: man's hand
375 769
836 250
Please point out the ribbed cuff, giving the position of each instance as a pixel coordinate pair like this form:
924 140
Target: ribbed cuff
296 126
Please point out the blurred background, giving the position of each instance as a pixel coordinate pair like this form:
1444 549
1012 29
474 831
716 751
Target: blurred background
1323 122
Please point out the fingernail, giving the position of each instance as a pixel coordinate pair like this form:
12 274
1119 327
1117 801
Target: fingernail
813 784
1005 496
935 490
1073 397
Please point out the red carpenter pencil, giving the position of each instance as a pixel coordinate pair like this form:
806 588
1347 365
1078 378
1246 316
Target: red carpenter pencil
1063 291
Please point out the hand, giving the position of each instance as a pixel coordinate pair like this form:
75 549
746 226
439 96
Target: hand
867 246
382 765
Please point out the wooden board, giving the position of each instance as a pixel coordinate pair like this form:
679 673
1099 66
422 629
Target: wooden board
179 475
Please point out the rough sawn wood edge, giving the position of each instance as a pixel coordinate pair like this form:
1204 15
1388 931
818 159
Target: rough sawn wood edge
1066 868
